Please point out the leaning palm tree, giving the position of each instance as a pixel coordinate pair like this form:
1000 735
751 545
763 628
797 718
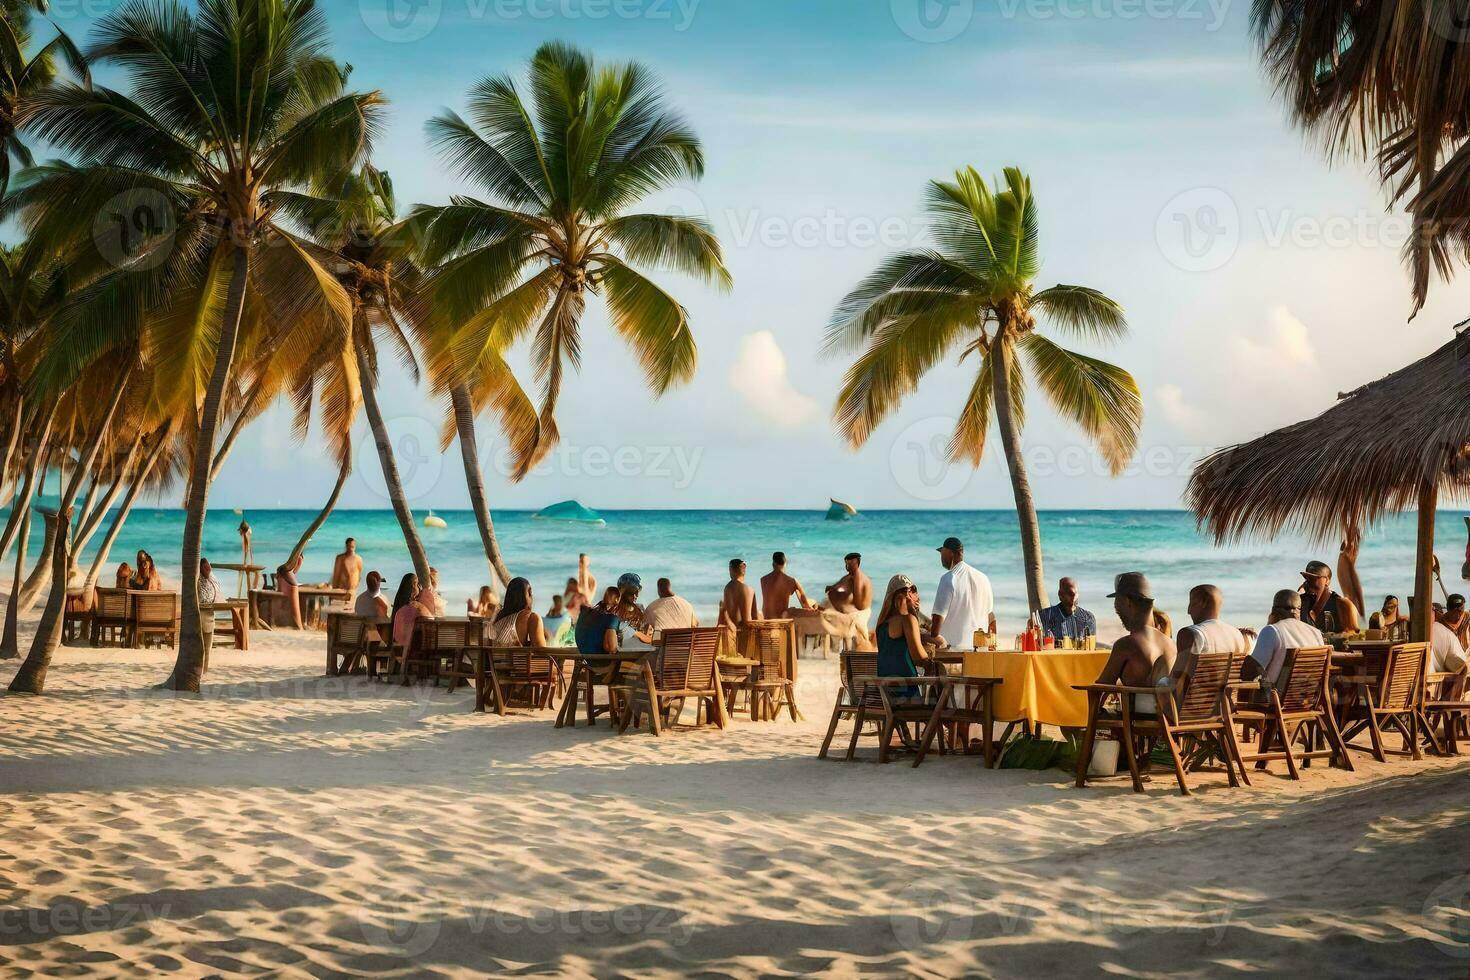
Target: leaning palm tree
563 174
975 294
22 76
1390 81
229 106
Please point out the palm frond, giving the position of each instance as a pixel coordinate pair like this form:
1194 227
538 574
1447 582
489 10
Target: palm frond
1102 398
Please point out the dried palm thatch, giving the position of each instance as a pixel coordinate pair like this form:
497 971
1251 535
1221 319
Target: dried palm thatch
1373 453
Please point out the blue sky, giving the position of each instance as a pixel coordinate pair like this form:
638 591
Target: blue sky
1259 279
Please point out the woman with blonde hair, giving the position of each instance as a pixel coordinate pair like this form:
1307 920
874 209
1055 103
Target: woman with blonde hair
901 649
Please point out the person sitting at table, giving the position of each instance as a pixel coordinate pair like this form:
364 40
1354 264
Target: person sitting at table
1208 633
566 630
517 624
1285 630
485 605
145 577
124 576
1457 619
1389 620
209 591
901 649
287 586
1146 656
667 612
1067 620
630 586
372 602
598 626
1163 623
435 603
1323 608
555 619
408 610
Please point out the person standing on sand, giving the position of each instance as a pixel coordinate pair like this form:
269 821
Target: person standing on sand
586 581
777 588
1144 657
286 585
738 606
963 602
347 568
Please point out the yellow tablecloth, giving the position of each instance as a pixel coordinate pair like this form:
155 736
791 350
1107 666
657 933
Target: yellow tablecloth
1038 686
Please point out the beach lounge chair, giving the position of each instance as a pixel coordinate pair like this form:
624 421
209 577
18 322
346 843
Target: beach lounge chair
767 687
1196 718
1445 707
1398 703
684 669
1298 708
866 697
155 619
111 624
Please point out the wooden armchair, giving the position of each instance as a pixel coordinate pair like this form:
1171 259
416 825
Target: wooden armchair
1445 707
443 648
1398 703
348 637
76 616
768 687
155 619
111 624
1298 708
527 677
685 669
867 697
1196 717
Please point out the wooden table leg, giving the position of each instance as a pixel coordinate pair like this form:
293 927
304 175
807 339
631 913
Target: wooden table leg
653 706
987 737
480 680
934 722
568 714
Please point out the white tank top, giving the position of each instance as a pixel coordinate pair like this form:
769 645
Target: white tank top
505 632
1216 636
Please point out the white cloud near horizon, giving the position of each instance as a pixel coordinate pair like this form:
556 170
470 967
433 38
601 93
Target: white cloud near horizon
762 377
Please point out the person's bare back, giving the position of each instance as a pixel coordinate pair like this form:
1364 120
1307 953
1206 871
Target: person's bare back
347 569
777 588
738 606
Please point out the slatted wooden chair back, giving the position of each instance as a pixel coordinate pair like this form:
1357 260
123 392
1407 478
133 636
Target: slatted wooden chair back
155 608
345 631
1303 683
857 665
766 642
1205 695
688 661
1399 687
442 635
111 604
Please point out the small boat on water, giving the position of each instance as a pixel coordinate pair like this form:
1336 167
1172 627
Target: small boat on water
840 511
435 522
570 511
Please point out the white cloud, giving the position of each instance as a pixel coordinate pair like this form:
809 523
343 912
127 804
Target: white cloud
1185 417
1287 343
760 376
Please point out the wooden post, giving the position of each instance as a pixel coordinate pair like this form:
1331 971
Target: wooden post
1424 565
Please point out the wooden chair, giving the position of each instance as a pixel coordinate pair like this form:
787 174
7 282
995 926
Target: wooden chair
768 688
76 617
1196 717
441 650
111 624
1398 703
863 701
1298 708
155 619
528 677
1445 706
347 640
685 669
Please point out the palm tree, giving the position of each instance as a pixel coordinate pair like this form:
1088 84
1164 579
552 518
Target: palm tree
563 174
22 77
1390 81
229 107
975 294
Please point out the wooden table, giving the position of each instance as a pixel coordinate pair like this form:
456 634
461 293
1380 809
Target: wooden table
239 623
249 575
313 598
586 670
977 707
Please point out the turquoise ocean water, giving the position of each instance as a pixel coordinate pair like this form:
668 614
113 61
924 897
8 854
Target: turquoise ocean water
693 547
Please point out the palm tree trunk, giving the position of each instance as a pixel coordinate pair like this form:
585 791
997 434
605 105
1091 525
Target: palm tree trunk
464 422
10 640
9 483
31 678
28 487
140 478
40 576
390 467
189 665
1010 438
326 511
92 517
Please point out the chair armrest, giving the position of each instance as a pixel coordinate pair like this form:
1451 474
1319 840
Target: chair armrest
1120 689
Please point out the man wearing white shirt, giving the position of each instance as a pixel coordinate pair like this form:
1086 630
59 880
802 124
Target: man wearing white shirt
963 602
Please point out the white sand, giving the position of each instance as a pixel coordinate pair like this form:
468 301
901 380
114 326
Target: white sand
287 824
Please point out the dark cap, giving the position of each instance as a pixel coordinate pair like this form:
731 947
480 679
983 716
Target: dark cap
1316 569
1134 585
952 544
1455 601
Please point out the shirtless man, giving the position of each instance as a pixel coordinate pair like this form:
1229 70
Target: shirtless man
1145 656
347 569
738 605
853 593
586 581
777 589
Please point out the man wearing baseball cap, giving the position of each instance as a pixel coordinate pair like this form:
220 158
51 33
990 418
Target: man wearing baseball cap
963 602
1323 608
1145 657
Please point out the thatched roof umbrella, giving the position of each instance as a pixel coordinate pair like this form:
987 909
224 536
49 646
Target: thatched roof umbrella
1390 445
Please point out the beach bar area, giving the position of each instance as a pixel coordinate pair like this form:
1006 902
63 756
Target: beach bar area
1397 443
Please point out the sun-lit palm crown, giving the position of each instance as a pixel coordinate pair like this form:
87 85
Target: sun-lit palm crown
564 173
974 294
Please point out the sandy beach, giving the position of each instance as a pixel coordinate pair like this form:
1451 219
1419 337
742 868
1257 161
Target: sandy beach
288 824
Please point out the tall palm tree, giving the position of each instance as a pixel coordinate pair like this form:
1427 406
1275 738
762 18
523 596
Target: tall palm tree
975 293
563 174
22 76
1390 81
229 106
